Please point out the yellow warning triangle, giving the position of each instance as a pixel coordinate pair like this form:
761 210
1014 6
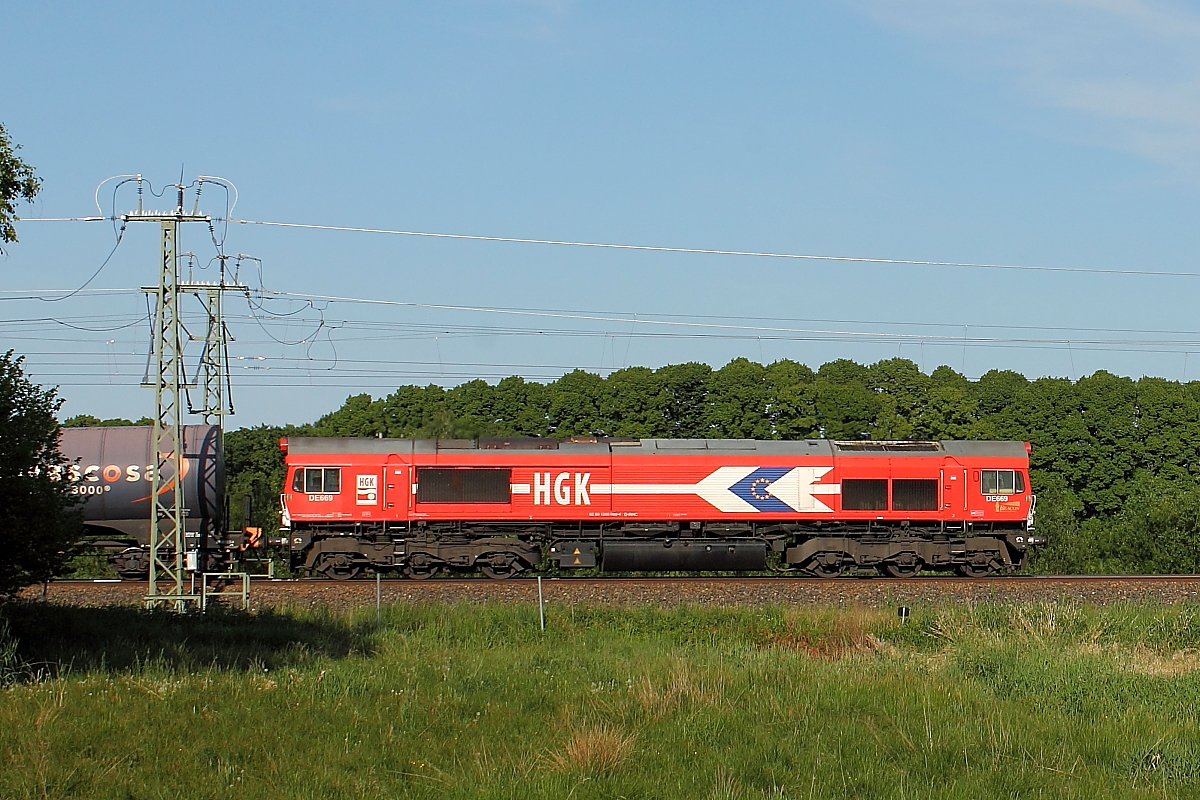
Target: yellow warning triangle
576 552
576 561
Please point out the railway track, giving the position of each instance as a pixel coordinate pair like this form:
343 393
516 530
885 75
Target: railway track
877 591
473 579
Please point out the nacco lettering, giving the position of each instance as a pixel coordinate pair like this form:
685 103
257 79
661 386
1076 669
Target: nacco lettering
561 487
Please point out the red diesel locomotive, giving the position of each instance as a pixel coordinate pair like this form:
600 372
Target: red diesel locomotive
504 505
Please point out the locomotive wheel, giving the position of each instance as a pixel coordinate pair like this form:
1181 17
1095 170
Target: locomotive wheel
901 570
343 572
973 570
421 566
827 565
500 567
339 566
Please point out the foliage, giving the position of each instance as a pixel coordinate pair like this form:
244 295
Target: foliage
255 470
88 421
1023 700
38 523
17 182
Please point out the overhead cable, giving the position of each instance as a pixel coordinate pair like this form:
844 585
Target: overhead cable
690 250
714 252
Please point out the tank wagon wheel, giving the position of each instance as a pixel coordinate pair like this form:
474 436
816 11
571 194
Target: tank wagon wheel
826 565
339 566
901 569
500 566
132 564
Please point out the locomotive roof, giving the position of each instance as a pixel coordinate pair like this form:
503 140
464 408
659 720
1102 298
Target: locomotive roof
595 446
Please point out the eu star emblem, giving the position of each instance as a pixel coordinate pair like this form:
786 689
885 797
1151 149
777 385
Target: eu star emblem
755 489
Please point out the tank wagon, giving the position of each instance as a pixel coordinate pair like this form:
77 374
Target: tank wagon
111 470
500 506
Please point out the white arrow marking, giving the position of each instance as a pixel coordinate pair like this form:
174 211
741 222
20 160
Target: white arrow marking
714 488
796 489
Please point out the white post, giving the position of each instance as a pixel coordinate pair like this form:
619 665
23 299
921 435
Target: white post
541 605
378 612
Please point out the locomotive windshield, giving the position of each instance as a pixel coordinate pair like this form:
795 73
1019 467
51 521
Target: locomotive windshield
317 480
1001 481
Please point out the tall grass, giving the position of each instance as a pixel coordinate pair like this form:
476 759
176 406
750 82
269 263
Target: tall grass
1053 700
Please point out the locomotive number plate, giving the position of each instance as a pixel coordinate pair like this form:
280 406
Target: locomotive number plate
320 498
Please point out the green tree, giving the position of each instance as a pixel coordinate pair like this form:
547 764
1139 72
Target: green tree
739 399
38 519
520 408
791 404
88 421
1157 530
903 392
574 405
684 390
360 415
631 404
17 182
255 468
847 408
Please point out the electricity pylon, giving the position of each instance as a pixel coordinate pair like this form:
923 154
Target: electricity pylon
168 507
213 380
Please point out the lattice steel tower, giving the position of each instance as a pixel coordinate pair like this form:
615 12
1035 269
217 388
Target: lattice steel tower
167 376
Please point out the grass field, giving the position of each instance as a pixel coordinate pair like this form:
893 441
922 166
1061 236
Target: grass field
465 701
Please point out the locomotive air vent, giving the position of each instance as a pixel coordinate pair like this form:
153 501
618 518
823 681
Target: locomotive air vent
887 447
517 443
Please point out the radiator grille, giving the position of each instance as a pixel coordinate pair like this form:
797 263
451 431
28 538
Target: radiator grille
912 495
463 485
864 495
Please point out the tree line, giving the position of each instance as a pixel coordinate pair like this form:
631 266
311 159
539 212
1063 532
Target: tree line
1115 460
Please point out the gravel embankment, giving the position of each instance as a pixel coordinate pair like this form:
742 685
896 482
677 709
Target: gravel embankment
656 591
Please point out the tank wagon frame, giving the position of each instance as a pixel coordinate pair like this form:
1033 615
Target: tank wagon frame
503 505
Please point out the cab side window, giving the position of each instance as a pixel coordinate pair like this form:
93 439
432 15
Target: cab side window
317 480
1001 481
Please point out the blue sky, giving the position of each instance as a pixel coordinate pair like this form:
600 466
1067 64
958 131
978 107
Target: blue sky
1063 133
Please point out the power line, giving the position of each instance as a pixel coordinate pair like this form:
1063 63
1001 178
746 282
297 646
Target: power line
642 320
679 329
688 250
714 252
642 317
